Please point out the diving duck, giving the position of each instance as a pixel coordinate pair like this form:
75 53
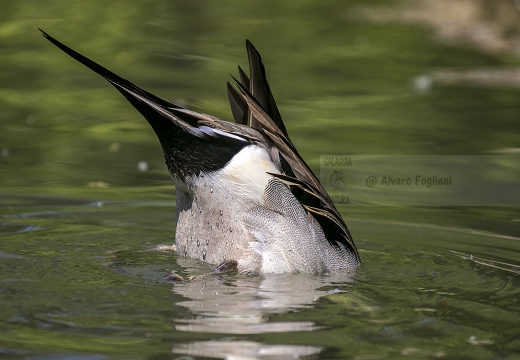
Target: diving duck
245 198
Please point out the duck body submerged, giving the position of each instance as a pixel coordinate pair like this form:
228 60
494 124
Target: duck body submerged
244 195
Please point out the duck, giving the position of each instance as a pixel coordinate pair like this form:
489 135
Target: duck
246 200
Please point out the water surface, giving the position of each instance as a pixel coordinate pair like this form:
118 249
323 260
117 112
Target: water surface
85 196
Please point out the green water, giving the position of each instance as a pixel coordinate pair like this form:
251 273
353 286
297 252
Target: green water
78 218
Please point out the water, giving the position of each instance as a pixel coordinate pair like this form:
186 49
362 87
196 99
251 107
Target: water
85 197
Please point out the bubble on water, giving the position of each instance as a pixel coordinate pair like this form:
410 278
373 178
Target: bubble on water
422 83
142 165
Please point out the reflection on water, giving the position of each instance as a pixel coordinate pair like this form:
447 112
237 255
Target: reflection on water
244 350
243 305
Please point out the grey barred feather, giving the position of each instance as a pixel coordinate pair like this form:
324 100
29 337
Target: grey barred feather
261 107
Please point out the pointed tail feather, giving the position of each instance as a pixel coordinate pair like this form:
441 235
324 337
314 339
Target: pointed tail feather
114 79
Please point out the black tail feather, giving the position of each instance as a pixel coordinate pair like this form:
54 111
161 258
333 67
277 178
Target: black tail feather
114 79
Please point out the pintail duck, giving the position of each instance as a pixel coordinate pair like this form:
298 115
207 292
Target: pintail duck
245 197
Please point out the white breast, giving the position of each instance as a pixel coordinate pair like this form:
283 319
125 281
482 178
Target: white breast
246 174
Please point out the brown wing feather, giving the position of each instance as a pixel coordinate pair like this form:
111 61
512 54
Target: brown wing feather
255 106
